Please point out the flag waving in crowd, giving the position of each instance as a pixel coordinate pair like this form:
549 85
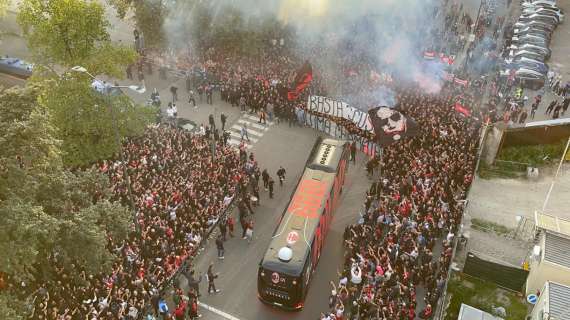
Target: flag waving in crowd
459 107
302 80
391 125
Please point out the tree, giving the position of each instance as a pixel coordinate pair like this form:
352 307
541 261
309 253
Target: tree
3 7
72 32
85 119
10 307
45 208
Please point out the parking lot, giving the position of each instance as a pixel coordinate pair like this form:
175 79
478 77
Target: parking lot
558 62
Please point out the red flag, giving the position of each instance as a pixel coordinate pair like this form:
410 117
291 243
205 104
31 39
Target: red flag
302 81
462 109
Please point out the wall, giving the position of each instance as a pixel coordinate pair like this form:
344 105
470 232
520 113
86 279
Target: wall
546 271
541 305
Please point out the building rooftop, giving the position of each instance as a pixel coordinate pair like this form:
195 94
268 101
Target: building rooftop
559 301
557 249
468 312
552 223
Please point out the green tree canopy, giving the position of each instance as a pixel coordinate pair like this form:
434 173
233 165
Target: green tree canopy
45 208
84 118
67 33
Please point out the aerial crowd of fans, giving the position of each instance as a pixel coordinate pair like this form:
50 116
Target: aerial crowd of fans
410 217
402 241
180 189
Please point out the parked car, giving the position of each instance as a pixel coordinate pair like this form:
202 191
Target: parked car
544 8
16 67
545 12
532 48
526 63
530 39
530 31
526 77
539 17
534 24
527 54
544 3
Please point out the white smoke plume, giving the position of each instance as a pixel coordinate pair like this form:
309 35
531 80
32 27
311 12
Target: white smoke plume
385 35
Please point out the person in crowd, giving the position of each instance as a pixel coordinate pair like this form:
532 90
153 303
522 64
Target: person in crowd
220 246
211 277
281 175
243 132
174 91
270 184
353 151
192 98
223 119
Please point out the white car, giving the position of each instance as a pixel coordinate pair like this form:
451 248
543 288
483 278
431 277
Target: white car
545 11
532 48
539 3
551 3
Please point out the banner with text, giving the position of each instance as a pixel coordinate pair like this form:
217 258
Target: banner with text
335 108
321 114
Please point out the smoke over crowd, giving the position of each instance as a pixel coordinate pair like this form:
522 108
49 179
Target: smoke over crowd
379 36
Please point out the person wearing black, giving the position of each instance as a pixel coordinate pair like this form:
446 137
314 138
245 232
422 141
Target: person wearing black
209 94
226 136
270 184
551 106
223 119
193 282
265 178
223 225
174 91
353 151
220 247
211 277
565 104
212 121
281 174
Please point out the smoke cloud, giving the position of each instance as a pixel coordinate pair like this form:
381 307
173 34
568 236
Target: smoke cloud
381 35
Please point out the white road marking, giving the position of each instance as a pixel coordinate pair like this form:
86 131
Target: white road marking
254 125
217 311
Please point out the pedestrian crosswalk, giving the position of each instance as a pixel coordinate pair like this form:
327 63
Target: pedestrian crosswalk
255 130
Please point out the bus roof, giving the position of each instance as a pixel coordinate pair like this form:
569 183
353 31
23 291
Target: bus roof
301 217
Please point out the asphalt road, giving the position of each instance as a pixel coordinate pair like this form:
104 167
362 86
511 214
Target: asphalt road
290 148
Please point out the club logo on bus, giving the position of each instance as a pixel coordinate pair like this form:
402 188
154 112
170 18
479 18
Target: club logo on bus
275 277
292 237
308 198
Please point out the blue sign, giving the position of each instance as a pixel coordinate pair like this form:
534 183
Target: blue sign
532 298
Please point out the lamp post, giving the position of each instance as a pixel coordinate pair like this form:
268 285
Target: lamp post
108 89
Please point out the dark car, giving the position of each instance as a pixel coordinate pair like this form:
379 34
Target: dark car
529 78
16 67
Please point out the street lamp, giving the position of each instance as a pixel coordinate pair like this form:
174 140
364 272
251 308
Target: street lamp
137 89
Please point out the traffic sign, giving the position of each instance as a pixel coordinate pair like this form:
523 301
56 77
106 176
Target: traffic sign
532 298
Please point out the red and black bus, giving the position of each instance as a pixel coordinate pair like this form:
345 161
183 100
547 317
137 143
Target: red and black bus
294 251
